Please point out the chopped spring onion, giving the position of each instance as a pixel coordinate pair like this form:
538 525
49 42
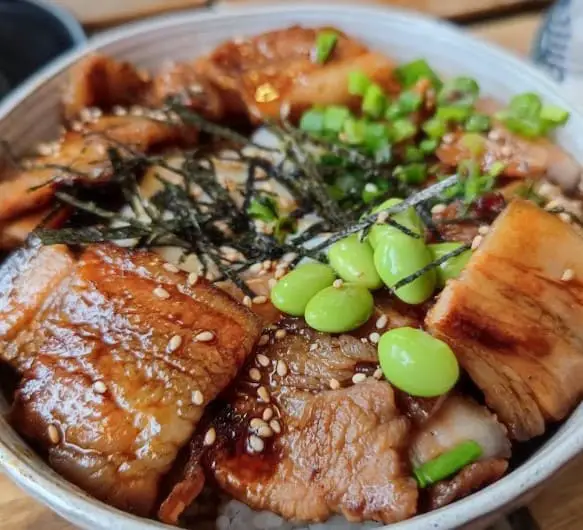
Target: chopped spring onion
384 154
409 102
263 208
325 43
459 92
554 115
403 129
358 83
428 146
370 192
408 74
496 169
376 136
453 113
415 173
353 131
374 101
413 154
312 121
435 128
478 123
527 105
447 464
475 143
334 117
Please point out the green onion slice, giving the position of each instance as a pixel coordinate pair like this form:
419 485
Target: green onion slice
374 101
459 92
325 42
554 115
478 123
403 129
447 464
453 113
358 83
312 121
263 208
408 74
415 173
334 117
435 128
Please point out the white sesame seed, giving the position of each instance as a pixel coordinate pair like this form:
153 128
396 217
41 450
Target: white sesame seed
264 431
53 434
268 414
568 275
192 279
281 368
267 264
313 347
160 292
256 267
477 241
448 138
119 111
334 384
483 230
275 426
378 374
197 398
438 208
263 340
272 283
255 444
210 437
506 151
338 284
174 343
494 135
256 423
263 360
99 387
170 268
263 394
565 217
374 337
280 273
260 300
204 336
247 301
358 378
364 340
254 374
382 322
77 126
280 334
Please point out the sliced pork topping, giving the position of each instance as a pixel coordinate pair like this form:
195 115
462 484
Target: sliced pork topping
118 364
514 318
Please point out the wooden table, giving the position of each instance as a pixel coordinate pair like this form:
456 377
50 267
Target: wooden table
509 23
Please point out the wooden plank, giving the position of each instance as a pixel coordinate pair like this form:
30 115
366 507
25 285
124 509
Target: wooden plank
106 12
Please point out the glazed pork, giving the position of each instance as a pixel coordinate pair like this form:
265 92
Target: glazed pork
514 318
119 356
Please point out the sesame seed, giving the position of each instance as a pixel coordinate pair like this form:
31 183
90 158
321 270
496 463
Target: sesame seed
483 230
494 135
267 264
263 340
338 284
374 337
280 334
313 347
506 150
275 426
565 217
256 267
99 387
334 384
119 111
174 343
280 273
382 322
272 283
477 241
268 414
256 423
160 292
204 336
247 301
53 434
448 138
263 360
263 394
264 431
281 368
255 444
197 397
192 279
254 374
260 300
438 208
364 340
378 374
568 275
210 437
170 268
358 378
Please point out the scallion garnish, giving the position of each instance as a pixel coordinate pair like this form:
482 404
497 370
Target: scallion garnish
459 92
334 117
408 74
428 146
478 123
447 464
434 128
353 132
554 115
453 114
413 154
263 208
403 129
358 83
475 143
414 174
374 101
325 43
312 121
376 136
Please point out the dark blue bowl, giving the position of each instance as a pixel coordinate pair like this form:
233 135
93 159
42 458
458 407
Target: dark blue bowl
32 33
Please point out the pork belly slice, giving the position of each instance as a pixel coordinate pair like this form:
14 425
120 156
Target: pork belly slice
325 451
118 365
514 318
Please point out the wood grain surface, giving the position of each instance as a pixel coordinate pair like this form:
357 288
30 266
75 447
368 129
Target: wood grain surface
560 505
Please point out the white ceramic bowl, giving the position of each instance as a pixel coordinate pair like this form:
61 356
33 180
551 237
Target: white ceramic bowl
32 114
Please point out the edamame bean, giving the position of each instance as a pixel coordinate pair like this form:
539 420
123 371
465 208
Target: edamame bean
417 363
408 218
399 255
340 309
292 293
453 267
353 260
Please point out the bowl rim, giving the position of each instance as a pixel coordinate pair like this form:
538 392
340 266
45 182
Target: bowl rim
479 505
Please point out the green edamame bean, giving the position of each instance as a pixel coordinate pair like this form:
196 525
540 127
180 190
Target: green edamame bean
453 267
417 363
353 260
399 255
292 293
340 309
408 218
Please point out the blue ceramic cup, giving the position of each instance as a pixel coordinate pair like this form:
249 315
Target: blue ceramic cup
31 34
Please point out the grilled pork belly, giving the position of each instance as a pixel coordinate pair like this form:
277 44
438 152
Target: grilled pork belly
319 451
514 318
119 356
